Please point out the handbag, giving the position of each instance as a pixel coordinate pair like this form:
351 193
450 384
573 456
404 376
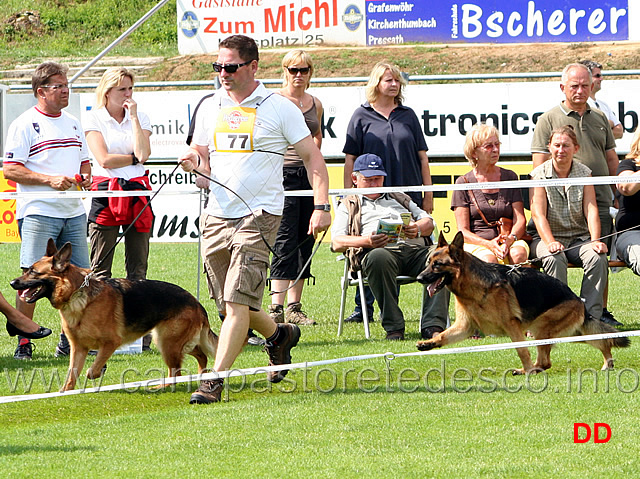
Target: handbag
503 224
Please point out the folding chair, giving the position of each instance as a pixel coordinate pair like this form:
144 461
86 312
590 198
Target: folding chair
360 281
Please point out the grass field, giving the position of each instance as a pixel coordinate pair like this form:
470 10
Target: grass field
447 416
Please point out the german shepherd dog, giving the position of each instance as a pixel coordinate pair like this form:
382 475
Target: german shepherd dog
503 300
104 314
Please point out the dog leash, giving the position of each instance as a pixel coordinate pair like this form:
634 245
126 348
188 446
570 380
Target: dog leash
264 240
124 233
539 258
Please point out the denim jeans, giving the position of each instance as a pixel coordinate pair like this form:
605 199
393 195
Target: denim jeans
35 231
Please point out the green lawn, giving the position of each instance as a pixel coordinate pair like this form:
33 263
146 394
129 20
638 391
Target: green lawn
447 416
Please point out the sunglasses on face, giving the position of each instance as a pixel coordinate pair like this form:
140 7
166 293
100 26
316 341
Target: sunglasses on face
294 71
56 87
229 67
597 75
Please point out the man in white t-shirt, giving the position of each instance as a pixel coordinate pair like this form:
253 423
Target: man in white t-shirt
239 140
596 76
45 150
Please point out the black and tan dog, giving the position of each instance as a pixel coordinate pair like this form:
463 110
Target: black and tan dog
104 314
502 300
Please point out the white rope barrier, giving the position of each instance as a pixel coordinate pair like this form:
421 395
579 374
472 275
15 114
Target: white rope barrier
589 180
306 365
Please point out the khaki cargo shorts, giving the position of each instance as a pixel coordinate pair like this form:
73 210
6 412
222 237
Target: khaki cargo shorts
236 258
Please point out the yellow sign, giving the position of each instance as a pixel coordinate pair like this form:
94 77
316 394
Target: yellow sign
8 223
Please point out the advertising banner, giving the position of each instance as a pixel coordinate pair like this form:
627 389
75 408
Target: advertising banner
491 21
202 24
446 112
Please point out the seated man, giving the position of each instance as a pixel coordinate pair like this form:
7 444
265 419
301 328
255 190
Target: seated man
354 231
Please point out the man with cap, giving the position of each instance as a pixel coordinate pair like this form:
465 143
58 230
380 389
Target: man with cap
354 232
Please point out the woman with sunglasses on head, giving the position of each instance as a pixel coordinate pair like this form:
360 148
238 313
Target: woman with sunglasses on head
483 215
118 139
297 69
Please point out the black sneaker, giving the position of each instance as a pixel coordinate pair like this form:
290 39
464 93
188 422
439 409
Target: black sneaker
280 352
356 317
608 318
63 348
209 391
24 349
430 332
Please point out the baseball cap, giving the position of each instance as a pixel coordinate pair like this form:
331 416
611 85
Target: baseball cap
369 165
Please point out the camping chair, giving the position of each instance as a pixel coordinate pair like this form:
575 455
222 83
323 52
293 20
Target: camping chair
359 280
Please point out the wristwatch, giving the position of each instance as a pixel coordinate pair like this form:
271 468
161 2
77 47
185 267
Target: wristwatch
325 207
515 238
134 159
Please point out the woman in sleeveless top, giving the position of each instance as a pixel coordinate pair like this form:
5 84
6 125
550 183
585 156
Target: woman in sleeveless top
297 71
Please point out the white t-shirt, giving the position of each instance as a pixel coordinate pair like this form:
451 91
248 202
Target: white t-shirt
119 140
51 145
604 108
252 164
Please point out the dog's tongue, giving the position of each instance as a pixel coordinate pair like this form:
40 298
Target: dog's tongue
431 288
24 293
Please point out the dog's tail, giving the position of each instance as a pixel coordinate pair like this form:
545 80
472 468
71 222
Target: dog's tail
594 326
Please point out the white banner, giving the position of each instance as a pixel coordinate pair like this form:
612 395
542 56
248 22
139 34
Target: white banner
446 112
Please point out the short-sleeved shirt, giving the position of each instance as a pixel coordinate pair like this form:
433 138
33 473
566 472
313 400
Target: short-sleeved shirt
51 145
118 138
604 108
396 140
594 137
502 207
629 211
565 211
372 211
255 175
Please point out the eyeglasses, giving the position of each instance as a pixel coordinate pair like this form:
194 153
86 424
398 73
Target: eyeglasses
229 67
491 146
294 71
56 87
597 75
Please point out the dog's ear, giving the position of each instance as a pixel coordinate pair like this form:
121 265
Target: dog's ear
458 240
61 258
51 247
441 240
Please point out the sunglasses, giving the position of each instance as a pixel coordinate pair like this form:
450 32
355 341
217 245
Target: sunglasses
56 87
597 75
229 67
294 71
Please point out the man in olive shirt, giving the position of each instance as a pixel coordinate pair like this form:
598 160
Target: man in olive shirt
597 144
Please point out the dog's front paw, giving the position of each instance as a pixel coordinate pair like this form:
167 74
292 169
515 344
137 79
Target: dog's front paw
425 345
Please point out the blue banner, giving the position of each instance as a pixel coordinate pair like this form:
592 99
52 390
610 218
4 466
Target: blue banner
486 21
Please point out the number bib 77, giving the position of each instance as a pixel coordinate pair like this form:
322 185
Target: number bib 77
234 129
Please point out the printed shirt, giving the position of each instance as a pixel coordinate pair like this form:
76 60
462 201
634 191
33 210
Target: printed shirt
51 145
251 167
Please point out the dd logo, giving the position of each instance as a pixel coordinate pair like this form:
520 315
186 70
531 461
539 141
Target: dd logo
597 438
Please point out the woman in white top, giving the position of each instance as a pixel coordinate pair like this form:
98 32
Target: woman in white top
118 138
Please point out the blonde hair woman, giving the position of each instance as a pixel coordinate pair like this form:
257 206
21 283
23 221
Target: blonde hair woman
477 212
118 138
385 127
297 69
